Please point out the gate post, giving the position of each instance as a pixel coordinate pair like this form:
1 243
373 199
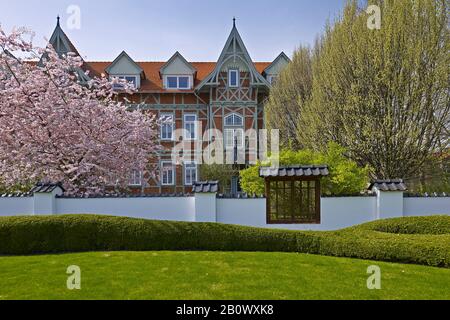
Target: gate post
389 198
44 198
206 201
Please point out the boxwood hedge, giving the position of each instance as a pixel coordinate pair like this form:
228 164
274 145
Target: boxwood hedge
407 240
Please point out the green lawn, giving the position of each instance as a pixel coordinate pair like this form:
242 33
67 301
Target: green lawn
214 275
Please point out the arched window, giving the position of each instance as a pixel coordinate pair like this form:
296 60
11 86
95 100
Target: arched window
234 131
234 120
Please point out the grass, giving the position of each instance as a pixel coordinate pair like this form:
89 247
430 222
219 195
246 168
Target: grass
214 275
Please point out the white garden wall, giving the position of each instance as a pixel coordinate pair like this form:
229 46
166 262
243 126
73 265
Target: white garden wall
15 206
336 213
426 206
172 209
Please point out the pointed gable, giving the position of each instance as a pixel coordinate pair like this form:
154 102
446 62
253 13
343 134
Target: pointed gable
234 55
124 65
61 42
62 45
277 65
177 65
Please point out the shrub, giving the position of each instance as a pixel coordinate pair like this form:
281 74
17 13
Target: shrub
412 225
75 233
250 181
345 175
80 233
219 172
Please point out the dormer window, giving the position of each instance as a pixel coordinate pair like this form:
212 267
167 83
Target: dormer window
178 82
132 80
233 78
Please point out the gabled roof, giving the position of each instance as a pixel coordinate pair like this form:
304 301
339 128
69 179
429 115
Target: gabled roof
230 52
61 42
206 187
283 56
62 45
43 187
153 82
177 55
388 185
121 56
294 171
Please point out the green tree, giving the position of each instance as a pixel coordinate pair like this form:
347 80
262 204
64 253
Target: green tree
434 176
383 94
346 177
288 97
221 173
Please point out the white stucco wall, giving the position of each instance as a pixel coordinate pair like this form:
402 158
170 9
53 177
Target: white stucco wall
247 212
16 206
337 213
173 209
426 206
205 207
389 205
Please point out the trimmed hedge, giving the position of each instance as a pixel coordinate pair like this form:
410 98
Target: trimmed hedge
81 233
412 225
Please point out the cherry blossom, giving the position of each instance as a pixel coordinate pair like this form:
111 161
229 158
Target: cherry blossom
56 128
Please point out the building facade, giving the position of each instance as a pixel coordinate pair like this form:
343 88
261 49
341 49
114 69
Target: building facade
194 98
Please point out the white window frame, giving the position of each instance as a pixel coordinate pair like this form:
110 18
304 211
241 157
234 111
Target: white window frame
186 168
135 179
238 80
123 77
185 122
173 173
172 125
189 77
234 116
235 131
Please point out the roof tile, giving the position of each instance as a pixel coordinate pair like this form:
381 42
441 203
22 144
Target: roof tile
206 187
388 185
42 187
295 171
153 81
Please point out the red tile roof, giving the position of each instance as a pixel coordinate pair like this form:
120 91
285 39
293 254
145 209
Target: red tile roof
153 81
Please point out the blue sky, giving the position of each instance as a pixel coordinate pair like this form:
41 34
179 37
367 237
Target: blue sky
155 29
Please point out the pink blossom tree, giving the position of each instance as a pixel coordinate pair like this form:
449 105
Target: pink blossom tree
53 128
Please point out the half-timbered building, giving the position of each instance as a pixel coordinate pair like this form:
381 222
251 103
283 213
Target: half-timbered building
227 95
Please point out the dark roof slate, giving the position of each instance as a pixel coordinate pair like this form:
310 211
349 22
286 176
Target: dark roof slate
388 185
42 187
123 196
295 171
16 195
206 187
